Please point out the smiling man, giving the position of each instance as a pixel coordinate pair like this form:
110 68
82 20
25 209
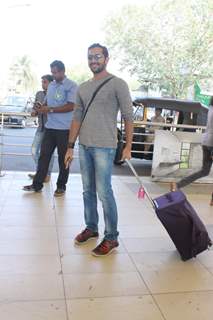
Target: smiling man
97 145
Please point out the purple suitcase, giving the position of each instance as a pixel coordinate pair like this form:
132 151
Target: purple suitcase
181 221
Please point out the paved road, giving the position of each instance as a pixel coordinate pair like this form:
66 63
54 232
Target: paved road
25 163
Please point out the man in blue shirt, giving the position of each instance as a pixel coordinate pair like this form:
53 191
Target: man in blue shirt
58 105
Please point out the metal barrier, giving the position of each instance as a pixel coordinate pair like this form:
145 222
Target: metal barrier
1 143
2 135
165 126
138 124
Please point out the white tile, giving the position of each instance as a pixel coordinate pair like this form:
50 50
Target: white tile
158 261
132 219
209 228
141 231
206 258
28 210
28 247
69 201
28 204
113 287
26 265
30 287
36 220
103 285
190 306
32 310
68 209
125 308
165 280
42 233
74 217
89 264
69 219
148 245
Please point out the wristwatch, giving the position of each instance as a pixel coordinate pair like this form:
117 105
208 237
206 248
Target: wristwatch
51 110
71 145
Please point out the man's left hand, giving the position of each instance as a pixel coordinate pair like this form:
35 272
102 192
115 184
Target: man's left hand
126 153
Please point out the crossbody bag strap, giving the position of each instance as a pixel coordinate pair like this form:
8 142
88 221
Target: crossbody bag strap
90 102
93 97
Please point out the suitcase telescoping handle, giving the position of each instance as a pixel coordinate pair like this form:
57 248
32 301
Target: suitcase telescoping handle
140 183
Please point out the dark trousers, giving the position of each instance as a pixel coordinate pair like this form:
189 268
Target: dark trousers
52 138
206 167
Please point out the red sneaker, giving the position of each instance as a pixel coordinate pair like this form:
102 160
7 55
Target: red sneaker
85 235
105 248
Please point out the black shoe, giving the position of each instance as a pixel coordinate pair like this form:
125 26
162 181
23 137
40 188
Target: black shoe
59 192
31 188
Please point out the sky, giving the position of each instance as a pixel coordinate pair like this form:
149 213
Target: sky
48 29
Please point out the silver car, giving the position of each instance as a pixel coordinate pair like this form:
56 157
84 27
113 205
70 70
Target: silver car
11 107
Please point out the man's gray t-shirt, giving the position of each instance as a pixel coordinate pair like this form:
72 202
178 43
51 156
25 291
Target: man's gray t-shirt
99 128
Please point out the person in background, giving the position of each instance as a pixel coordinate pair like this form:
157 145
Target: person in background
97 146
58 106
150 138
207 148
42 119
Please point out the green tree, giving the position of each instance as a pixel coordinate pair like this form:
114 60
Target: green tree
169 43
22 75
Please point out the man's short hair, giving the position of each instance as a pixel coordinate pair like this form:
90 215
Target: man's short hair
98 45
48 77
158 109
58 64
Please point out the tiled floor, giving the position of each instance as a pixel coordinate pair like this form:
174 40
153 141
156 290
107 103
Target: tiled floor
43 276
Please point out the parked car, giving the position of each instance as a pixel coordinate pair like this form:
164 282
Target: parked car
15 104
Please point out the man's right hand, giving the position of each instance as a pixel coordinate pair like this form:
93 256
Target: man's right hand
68 157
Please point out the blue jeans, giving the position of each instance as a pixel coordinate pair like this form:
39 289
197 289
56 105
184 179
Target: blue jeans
96 171
36 147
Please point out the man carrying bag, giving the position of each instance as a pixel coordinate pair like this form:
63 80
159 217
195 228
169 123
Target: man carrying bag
95 121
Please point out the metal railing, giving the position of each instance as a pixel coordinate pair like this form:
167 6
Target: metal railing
7 124
164 126
139 124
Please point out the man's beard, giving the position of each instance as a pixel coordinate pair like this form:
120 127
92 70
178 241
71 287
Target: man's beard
99 69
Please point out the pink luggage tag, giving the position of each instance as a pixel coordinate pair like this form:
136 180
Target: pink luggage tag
141 193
